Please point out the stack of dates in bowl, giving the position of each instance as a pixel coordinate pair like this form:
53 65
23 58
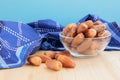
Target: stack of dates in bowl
85 39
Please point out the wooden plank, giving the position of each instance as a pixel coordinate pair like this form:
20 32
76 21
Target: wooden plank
106 66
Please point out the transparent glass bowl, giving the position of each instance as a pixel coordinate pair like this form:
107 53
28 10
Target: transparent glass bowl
88 48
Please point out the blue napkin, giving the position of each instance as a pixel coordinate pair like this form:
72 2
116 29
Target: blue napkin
17 41
50 30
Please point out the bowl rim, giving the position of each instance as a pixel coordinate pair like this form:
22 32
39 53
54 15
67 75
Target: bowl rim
60 34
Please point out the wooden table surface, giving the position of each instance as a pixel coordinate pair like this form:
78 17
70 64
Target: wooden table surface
105 66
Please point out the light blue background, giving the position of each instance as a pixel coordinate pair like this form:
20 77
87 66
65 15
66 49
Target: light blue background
63 11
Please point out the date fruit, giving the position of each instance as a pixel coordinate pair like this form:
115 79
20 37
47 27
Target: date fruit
54 65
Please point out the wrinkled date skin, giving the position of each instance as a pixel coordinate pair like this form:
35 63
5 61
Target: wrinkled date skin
77 40
82 28
91 33
84 45
54 65
99 28
89 23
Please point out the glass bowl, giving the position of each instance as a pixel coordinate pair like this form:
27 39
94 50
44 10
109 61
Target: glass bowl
88 48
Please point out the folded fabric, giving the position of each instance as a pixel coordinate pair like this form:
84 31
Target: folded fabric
17 41
115 39
50 30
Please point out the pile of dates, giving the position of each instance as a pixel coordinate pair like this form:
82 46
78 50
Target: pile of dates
54 60
85 38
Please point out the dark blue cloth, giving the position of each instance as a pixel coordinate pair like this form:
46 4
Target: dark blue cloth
50 30
17 41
